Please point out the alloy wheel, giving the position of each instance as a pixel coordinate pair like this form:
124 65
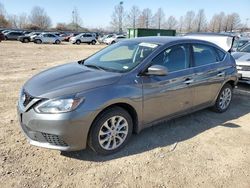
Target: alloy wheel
225 98
113 132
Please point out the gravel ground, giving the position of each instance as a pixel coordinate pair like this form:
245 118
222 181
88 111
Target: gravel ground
204 149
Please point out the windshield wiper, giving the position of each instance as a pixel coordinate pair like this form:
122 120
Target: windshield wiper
94 66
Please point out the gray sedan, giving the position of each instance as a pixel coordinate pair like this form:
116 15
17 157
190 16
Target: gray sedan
124 88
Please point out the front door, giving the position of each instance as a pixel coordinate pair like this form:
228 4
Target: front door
171 94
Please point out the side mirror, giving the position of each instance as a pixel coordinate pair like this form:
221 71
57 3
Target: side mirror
157 70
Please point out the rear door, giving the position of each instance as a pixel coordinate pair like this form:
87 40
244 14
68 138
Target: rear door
51 38
171 94
209 73
45 38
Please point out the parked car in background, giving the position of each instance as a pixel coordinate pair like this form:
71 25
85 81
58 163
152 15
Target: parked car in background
245 48
67 38
2 37
239 43
89 38
243 64
5 31
13 35
114 39
101 39
28 37
124 88
47 38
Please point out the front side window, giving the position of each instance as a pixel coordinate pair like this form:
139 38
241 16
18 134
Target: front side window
203 54
121 57
174 58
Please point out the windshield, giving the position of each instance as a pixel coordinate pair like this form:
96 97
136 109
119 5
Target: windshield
121 57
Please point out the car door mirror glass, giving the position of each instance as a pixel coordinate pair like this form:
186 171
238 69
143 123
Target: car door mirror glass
157 70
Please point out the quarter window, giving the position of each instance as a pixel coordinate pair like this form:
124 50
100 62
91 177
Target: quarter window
174 58
204 54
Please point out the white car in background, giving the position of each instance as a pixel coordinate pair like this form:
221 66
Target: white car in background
89 38
243 65
114 39
47 38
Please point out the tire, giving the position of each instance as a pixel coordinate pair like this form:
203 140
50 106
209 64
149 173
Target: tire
57 42
113 42
103 135
26 40
224 99
93 42
38 41
78 42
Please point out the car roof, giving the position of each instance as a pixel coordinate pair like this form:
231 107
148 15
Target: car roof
164 40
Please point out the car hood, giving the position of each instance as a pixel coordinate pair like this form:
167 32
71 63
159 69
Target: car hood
68 79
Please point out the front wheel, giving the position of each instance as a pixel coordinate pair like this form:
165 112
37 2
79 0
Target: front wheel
224 99
78 42
38 41
111 131
57 42
93 42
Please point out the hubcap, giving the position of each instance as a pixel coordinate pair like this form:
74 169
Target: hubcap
225 98
113 132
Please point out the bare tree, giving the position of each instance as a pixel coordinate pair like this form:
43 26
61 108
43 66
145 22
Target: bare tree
171 23
213 23
3 21
200 21
234 21
133 16
145 19
220 19
117 17
159 18
61 26
39 18
189 18
181 24
13 19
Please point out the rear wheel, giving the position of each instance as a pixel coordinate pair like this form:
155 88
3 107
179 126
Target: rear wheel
111 131
93 42
38 41
224 99
113 42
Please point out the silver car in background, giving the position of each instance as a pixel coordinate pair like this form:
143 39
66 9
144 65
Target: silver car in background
89 38
100 101
47 38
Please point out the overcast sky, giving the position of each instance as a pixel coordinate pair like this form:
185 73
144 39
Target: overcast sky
98 13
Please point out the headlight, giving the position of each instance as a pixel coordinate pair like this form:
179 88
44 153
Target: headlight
58 106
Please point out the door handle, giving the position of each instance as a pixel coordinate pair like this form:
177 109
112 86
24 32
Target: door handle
188 81
220 74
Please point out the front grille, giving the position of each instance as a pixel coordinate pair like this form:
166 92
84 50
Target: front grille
244 68
54 139
27 98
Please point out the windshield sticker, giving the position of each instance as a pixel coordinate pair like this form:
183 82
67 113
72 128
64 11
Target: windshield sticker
125 67
149 45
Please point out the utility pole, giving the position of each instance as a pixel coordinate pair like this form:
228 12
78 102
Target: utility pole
120 16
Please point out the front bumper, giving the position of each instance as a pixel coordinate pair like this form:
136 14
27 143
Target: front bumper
65 131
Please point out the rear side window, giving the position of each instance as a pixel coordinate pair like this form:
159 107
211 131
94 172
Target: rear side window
220 54
203 54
